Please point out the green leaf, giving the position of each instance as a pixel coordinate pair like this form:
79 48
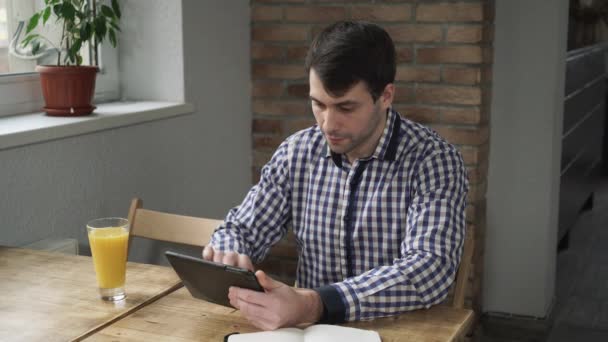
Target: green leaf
116 8
85 31
78 60
107 11
68 11
57 9
100 28
35 47
115 26
76 45
46 15
32 23
112 37
28 38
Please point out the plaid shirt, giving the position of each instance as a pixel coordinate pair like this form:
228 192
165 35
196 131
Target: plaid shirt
376 238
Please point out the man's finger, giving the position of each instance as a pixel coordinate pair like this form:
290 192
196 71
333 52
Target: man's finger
230 258
253 297
218 256
245 262
252 310
208 253
267 282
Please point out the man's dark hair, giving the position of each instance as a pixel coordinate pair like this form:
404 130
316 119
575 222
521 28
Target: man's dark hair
351 51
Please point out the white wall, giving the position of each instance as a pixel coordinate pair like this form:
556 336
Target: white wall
197 164
154 45
525 148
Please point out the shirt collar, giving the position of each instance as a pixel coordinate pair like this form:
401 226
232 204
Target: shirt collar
387 146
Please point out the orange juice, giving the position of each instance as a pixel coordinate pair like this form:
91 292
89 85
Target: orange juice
109 249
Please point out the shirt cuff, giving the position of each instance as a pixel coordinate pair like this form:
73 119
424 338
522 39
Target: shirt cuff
333 307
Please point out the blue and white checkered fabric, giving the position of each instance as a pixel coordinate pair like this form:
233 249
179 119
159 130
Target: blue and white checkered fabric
386 232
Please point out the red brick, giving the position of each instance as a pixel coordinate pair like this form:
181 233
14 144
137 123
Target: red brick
315 14
469 154
473 155
279 71
403 93
448 95
266 89
452 54
462 135
473 174
464 34
281 108
465 115
278 1
293 126
299 90
450 12
486 74
266 126
296 52
470 212
255 174
338 1
458 75
266 13
487 34
266 52
279 33
404 54
417 74
423 115
487 55
476 192
271 142
260 158
414 33
382 12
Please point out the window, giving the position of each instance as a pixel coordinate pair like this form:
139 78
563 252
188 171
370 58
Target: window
3 38
19 83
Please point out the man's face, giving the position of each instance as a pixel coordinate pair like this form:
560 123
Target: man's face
351 123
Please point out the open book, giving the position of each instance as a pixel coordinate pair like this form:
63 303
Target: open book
314 333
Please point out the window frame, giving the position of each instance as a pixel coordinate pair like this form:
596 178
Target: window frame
20 93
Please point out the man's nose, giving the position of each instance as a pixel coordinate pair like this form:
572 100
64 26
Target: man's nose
330 122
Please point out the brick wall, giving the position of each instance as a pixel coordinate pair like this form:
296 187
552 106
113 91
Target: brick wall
443 78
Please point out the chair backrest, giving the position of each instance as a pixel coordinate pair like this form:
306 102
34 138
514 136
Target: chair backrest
462 276
194 231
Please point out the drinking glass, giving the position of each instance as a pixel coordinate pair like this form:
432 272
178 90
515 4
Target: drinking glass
109 238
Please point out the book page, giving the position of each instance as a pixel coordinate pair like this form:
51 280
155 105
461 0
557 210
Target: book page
280 335
333 333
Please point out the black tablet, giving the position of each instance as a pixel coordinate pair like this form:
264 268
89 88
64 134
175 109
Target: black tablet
209 280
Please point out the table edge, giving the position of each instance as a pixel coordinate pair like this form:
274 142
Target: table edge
126 313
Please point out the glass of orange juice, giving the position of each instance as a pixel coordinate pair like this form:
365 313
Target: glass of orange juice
109 239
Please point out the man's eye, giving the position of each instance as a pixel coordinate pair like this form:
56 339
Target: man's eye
345 109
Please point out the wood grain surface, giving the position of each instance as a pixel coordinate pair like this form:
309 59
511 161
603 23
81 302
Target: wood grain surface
54 297
179 317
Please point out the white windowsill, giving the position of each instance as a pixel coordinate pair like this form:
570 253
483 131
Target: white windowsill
27 129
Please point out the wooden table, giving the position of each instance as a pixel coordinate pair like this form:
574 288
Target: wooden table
54 297
178 316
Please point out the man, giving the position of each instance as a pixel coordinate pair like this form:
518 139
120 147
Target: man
376 201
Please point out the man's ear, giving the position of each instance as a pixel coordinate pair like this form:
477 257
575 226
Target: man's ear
388 94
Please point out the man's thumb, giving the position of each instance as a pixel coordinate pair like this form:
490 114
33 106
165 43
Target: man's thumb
267 282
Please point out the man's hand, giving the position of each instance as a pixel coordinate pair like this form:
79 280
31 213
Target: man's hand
228 258
279 306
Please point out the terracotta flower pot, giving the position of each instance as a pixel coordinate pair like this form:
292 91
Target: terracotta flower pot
68 90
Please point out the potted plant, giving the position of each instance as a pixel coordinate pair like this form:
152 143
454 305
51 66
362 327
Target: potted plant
68 87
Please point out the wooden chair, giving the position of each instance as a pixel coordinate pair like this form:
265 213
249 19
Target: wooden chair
462 276
193 231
